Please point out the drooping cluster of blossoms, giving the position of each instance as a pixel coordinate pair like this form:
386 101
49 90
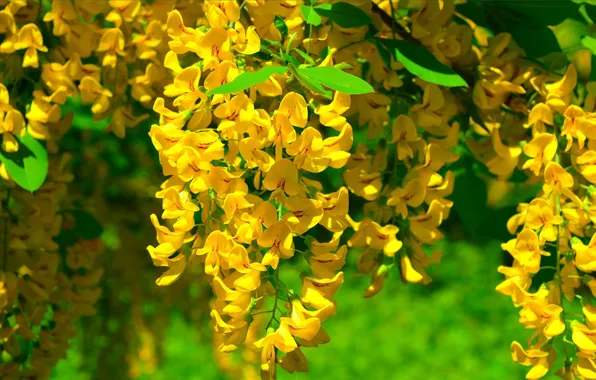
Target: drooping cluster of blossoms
56 57
555 230
46 285
250 196
404 178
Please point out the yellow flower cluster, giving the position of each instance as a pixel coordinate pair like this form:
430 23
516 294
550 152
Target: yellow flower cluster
45 287
56 56
556 226
247 196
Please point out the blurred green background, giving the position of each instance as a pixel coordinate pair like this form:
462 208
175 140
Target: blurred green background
458 327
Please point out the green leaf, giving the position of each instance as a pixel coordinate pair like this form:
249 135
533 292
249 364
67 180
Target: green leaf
248 79
589 43
344 14
310 15
291 59
305 56
281 25
337 80
383 52
307 82
28 167
420 62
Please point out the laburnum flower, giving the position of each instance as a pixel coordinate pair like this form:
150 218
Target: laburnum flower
92 92
111 45
335 210
587 165
280 241
324 263
516 284
558 181
541 150
540 216
506 159
404 134
363 184
235 114
12 125
186 83
282 177
281 340
412 194
63 12
218 246
370 234
559 93
30 38
214 47
575 126
540 116
584 338
539 314
221 12
330 115
526 250
585 255
246 41
534 357
425 226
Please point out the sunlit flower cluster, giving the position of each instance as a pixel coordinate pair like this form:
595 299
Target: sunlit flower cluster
248 195
554 231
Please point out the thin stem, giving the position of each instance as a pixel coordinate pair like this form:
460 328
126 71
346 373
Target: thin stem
276 298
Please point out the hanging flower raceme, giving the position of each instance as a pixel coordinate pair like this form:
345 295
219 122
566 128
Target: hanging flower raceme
554 234
247 137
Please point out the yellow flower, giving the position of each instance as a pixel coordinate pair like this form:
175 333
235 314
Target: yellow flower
542 150
293 106
539 360
283 176
246 41
371 234
559 93
365 185
218 247
413 194
584 338
404 134
526 250
92 92
235 114
540 216
12 124
585 255
540 116
587 165
280 240
424 226
575 126
214 47
62 12
543 316
112 45
30 38
304 214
